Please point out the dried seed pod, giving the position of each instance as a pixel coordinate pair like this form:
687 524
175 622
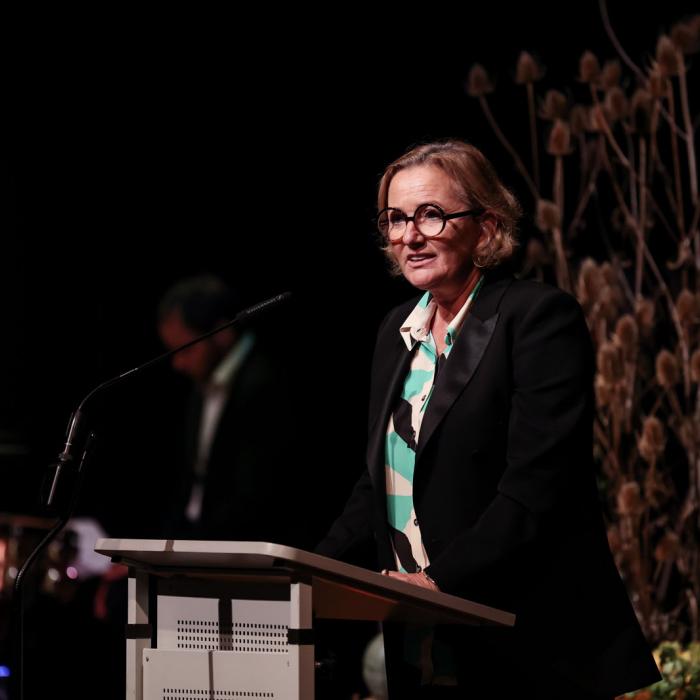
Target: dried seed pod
667 373
666 56
536 254
627 336
629 500
657 82
610 75
528 70
547 217
695 366
589 282
644 313
614 539
652 442
687 434
640 110
603 391
478 82
609 274
598 119
686 306
554 105
588 68
616 104
685 38
579 120
559 143
667 547
610 362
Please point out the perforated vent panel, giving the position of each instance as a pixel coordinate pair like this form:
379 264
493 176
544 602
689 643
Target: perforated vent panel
217 675
217 624
192 694
252 637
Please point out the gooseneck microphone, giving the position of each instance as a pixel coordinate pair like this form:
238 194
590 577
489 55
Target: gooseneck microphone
67 459
67 455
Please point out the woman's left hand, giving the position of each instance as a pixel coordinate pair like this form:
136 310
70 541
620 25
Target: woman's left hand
421 579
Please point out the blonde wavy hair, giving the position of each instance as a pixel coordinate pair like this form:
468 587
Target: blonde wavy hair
476 183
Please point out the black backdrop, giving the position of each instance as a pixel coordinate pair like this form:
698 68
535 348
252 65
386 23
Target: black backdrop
139 150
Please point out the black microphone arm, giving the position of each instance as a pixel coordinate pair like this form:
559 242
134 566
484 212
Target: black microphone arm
67 457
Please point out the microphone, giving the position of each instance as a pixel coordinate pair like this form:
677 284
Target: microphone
65 460
66 457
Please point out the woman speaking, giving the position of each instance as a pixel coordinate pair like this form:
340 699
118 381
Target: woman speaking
479 479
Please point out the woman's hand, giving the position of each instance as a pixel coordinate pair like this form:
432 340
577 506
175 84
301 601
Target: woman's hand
421 579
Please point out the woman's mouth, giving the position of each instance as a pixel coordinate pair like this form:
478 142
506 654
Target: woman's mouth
418 260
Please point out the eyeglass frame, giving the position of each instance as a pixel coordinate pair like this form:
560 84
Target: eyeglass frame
477 211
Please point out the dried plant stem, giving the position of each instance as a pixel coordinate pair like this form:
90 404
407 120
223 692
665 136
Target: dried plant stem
693 231
665 578
562 264
693 605
653 129
651 200
676 163
600 434
675 405
668 184
661 218
643 80
690 137
639 269
583 202
584 167
685 354
634 181
630 378
533 133
602 122
696 480
506 144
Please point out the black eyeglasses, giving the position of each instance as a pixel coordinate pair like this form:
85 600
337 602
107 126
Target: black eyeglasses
429 220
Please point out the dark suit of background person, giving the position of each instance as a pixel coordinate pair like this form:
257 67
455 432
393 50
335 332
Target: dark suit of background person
505 494
246 494
243 487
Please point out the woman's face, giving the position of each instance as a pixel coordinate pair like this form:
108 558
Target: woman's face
442 264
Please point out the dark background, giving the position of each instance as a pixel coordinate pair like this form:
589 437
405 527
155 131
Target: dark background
139 149
146 149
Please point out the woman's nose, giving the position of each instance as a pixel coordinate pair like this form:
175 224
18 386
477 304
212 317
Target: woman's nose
411 235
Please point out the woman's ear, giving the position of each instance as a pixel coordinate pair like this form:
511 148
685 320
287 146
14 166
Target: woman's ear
488 227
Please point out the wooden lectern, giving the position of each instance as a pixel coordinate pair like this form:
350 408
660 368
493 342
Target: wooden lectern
218 620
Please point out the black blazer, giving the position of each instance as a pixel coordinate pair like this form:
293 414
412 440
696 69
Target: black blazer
504 487
249 492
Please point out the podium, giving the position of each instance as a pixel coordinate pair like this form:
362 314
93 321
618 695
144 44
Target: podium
218 620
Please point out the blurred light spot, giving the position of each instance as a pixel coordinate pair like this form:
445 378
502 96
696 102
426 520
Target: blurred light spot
54 575
4 671
72 572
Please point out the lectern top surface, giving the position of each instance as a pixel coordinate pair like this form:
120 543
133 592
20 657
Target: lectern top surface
336 584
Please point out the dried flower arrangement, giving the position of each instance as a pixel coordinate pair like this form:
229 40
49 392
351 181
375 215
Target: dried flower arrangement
627 152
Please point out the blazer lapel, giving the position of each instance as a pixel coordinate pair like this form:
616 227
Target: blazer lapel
395 359
469 348
395 367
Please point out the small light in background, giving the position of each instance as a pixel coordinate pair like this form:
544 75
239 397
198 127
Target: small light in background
4 671
72 573
53 574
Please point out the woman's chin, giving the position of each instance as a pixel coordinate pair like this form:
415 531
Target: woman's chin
421 279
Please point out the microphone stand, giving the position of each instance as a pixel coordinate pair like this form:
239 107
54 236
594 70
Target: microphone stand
65 462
